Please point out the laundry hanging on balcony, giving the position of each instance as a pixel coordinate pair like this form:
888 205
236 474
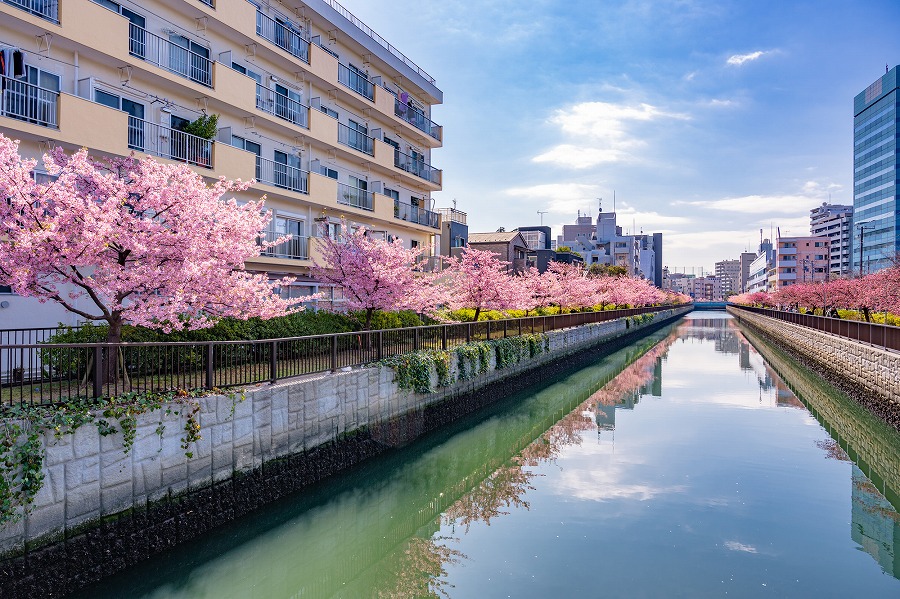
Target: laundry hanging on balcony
12 62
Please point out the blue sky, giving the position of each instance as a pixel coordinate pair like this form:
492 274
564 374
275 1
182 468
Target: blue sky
710 120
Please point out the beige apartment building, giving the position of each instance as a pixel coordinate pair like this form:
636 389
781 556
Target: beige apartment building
800 260
330 118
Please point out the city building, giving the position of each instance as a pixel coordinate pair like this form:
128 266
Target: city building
508 245
800 260
332 120
746 259
454 232
704 289
834 221
729 272
875 193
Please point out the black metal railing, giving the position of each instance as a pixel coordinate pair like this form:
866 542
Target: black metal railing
415 214
45 9
282 35
356 81
51 373
30 103
879 335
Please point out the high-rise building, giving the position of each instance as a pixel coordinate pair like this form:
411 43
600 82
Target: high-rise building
875 191
746 259
729 273
332 120
834 222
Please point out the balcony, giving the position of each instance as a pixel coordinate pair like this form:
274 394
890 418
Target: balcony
417 166
356 139
417 119
356 81
355 197
283 35
282 106
417 215
156 140
169 55
281 175
29 103
453 215
45 9
294 247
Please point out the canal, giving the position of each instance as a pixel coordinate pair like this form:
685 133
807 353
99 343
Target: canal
681 465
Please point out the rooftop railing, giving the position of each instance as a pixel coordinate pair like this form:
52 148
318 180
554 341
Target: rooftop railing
169 55
166 142
43 374
281 175
287 38
356 81
30 103
293 247
381 41
356 139
356 197
45 9
453 215
417 166
415 214
289 109
417 119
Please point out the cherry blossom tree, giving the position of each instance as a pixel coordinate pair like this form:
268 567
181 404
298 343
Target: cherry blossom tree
376 274
480 280
571 286
141 242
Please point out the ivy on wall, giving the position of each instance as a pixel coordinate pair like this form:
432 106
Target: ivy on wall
23 426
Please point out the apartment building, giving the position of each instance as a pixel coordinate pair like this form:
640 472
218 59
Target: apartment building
834 221
332 120
729 273
800 260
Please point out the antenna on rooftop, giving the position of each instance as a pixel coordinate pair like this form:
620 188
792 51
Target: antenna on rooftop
614 200
542 213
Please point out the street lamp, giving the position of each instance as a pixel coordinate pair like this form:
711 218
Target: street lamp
863 227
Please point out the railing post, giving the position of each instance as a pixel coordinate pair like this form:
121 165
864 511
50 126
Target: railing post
273 361
444 337
488 323
98 371
415 339
210 349
520 327
468 332
380 345
334 360
504 328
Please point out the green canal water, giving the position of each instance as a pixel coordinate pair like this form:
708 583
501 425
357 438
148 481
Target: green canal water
681 466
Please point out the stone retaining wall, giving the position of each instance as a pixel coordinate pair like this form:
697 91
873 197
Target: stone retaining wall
869 374
101 509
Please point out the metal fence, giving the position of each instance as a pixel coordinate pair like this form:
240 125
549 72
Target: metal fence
282 106
46 9
415 214
356 81
417 119
165 142
283 34
30 103
417 166
52 373
356 139
171 56
356 197
282 175
879 335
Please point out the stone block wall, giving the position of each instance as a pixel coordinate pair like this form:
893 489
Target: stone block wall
89 477
868 373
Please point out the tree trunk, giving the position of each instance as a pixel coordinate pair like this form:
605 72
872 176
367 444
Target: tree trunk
477 313
369 312
866 314
110 354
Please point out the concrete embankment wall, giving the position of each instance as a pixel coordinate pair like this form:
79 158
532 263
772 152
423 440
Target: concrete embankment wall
868 374
101 509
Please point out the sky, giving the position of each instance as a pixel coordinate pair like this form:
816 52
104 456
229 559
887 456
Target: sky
708 120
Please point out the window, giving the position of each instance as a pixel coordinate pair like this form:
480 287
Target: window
329 172
392 193
413 244
5 289
135 112
287 171
330 112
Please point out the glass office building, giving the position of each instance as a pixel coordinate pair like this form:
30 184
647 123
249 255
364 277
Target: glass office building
875 146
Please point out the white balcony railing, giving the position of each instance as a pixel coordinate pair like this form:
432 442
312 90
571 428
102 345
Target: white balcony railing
415 214
45 9
283 107
165 142
29 103
417 166
168 55
283 35
356 139
281 175
293 247
356 197
356 81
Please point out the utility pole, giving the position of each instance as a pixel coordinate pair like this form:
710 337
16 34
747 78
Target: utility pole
863 227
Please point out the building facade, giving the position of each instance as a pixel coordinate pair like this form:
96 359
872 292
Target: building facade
834 222
800 260
508 245
875 191
332 121
729 272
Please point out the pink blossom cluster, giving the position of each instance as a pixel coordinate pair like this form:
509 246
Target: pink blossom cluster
134 241
876 292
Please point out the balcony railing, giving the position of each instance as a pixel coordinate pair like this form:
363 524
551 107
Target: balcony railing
417 119
294 247
45 9
30 103
417 166
356 139
291 110
286 38
356 81
453 215
356 197
169 55
414 214
281 175
165 142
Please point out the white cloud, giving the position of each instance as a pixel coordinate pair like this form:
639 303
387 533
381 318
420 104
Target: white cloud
760 204
717 103
605 133
735 546
739 59
559 197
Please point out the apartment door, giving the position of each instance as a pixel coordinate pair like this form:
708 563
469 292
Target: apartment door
287 104
287 171
358 135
